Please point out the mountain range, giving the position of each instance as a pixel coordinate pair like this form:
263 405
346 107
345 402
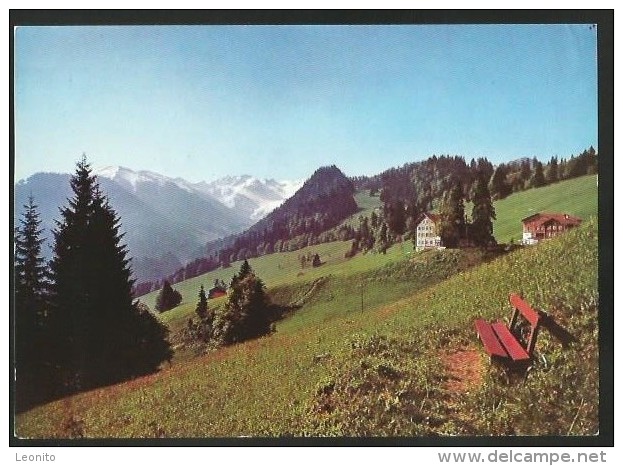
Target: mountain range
166 221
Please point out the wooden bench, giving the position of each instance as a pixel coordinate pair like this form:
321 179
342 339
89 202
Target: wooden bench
501 342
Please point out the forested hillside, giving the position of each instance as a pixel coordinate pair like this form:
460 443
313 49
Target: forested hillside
323 202
317 212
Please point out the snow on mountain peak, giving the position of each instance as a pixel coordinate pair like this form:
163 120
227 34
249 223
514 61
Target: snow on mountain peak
130 178
108 172
253 196
256 197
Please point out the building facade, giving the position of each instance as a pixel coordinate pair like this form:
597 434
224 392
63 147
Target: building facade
427 232
546 225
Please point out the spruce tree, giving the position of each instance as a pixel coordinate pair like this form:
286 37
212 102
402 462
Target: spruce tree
383 242
374 220
367 238
483 214
203 330
316 261
30 271
452 228
538 178
499 186
247 311
245 269
70 304
552 170
102 336
525 172
168 298
202 306
31 342
396 220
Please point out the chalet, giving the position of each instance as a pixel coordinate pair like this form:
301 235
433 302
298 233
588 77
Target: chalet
546 225
427 231
216 292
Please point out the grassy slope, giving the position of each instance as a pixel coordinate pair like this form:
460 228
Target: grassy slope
331 369
577 196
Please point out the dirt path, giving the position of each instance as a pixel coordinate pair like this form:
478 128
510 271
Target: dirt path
465 368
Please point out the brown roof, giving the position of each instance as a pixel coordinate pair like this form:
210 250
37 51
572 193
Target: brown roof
542 217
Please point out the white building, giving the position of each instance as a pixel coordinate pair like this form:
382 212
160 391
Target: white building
427 232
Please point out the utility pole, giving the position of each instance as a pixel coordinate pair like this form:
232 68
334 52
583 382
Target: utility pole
361 286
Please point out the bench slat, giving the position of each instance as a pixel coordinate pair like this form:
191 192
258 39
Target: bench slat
489 339
530 314
512 346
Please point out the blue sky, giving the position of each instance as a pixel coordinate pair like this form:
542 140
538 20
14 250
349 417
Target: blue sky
202 102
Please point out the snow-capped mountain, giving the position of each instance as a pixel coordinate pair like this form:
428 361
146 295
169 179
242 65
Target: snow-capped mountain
132 180
254 197
166 221
250 197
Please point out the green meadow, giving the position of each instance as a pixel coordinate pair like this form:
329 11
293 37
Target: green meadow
577 196
379 345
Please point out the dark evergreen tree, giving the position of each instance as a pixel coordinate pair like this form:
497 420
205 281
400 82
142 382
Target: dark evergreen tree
374 220
245 269
483 214
30 272
247 311
396 219
366 237
102 336
203 330
538 178
499 185
202 306
383 242
168 298
316 261
552 170
32 342
354 249
562 166
453 225
592 162
525 172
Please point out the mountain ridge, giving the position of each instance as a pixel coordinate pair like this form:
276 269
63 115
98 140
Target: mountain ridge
160 235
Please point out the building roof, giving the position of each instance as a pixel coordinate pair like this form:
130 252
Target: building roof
434 217
562 218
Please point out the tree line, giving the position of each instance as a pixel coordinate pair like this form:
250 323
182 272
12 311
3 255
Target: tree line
420 186
77 325
526 173
405 192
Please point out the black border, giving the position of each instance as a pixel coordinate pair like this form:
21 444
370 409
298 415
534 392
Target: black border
604 19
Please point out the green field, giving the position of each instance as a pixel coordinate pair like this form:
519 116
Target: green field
382 345
577 197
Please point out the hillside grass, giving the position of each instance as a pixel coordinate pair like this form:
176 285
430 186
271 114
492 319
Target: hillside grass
333 369
577 196
285 267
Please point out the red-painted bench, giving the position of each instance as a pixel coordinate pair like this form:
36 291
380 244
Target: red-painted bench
501 342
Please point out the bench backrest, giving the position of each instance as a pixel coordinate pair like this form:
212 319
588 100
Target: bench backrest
532 316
